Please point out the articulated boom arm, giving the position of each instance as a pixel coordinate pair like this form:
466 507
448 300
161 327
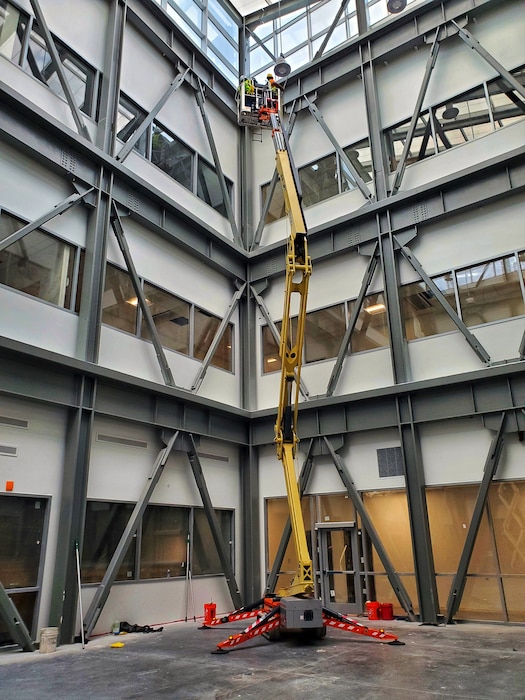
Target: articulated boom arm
298 270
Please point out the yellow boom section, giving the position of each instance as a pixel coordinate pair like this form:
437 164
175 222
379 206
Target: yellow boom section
298 270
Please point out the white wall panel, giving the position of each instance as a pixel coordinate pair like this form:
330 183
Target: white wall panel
37 323
454 452
86 32
364 371
146 74
441 355
176 270
452 161
30 190
471 236
499 31
161 602
161 181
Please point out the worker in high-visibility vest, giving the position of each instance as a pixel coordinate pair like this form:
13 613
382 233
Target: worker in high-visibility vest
274 88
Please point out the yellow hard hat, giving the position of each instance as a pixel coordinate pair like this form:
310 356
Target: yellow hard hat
269 75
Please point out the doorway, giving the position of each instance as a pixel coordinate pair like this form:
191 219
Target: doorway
340 570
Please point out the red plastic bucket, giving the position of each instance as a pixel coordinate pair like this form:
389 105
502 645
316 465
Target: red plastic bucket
386 611
373 610
209 612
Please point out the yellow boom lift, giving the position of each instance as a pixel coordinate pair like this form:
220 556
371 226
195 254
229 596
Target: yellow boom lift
297 609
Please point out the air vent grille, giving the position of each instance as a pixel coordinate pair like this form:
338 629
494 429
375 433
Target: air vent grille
390 462
116 440
14 422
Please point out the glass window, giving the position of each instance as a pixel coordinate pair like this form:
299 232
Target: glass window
507 106
119 303
277 513
465 119
208 186
189 8
165 532
271 359
507 508
21 533
323 14
104 526
206 327
490 291
186 27
360 156
171 316
324 332
422 145
276 210
129 118
226 22
294 35
12 28
423 315
221 44
319 180
38 264
80 76
172 156
371 330
337 37
205 557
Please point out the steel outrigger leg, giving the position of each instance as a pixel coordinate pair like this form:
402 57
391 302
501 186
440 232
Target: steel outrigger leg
243 613
266 623
331 618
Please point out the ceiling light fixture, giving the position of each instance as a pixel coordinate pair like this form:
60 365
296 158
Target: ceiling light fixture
450 111
395 6
375 309
282 69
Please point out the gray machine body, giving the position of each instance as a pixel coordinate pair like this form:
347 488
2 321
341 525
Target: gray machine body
301 613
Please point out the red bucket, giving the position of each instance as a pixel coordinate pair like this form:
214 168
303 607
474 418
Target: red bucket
373 610
209 613
386 611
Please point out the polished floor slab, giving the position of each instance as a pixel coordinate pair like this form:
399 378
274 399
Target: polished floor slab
475 661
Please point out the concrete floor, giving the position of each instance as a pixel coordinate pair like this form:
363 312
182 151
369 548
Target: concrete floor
475 661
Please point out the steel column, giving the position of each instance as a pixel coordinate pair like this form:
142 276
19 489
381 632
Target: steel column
145 123
367 524
469 337
250 510
398 349
367 279
491 465
217 338
377 150
418 515
64 595
224 555
316 114
110 77
57 64
104 587
148 318
199 94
